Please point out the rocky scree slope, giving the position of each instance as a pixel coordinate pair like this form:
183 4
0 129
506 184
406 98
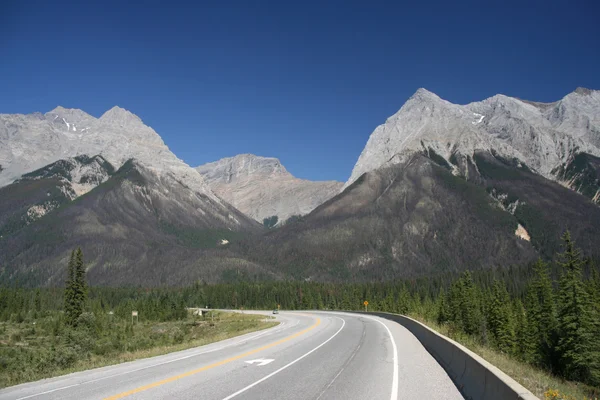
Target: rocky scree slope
261 187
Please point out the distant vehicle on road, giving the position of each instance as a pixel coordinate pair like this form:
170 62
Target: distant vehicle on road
275 311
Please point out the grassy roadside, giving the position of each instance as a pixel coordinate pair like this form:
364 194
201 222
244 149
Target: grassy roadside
539 382
32 350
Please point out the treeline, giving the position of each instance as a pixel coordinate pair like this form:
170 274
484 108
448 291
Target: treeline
547 315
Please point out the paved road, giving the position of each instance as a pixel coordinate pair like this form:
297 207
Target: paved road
310 355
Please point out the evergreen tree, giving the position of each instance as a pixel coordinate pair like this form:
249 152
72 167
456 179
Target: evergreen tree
469 305
443 308
542 323
521 345
576 344
76 288
531 334
38 301
69 299
403 301
499 318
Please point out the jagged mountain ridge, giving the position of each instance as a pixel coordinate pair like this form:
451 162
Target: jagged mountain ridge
31 141
544 136
261 187
445 190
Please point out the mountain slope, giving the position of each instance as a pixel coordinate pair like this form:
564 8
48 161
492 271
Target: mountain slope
261 187
29 142
582 174
48 188
542 136
443 187
153 221
405 220
138 227
417 218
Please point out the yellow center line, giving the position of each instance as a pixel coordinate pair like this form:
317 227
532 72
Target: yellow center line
217 364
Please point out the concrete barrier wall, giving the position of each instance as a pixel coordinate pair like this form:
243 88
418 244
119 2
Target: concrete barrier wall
476 378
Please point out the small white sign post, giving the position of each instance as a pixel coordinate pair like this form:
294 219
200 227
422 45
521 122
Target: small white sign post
134 314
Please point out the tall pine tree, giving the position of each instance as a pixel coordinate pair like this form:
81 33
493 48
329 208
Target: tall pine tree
499 317
69 294
75 289
542 317
576 343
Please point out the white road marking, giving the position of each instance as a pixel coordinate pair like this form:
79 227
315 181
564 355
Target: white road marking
287 365
159 364
49 391
261 361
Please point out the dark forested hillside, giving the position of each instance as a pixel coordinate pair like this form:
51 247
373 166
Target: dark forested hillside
418 218
137 228
582 174
402 221
48 188
545 208
407 220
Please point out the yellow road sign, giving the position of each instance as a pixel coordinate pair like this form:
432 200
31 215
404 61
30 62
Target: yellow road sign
366 303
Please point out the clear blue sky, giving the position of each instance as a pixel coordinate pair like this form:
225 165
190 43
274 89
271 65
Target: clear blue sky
299 80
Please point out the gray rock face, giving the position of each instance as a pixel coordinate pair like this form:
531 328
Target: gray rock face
541 135
261 187
29 142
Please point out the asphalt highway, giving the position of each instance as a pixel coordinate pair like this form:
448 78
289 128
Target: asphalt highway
309 355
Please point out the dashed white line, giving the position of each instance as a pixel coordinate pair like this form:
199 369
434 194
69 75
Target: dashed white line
287 365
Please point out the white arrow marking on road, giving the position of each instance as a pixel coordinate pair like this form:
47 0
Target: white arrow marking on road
261 361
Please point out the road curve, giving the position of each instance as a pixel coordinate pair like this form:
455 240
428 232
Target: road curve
310 355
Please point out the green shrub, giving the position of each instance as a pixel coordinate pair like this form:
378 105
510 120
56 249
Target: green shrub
64 357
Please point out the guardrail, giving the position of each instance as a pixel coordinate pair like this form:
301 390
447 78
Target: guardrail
473 376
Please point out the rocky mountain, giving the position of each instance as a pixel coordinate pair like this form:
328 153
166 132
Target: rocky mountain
417 218
39 192
32 141
438 188
546 137
111 186
137 227
261 187
442 187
